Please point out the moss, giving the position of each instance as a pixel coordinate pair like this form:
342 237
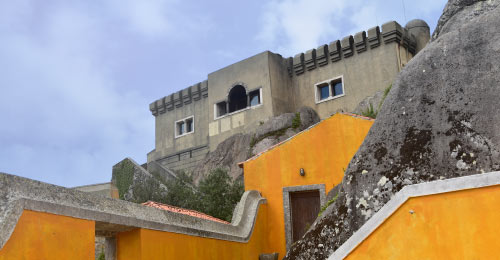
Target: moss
296 122
276 134
123 176
328 203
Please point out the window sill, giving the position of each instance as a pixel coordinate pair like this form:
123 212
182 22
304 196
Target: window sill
329 98
182 135
239 111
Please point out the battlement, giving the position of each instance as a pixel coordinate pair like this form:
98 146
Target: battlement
180 98
349 45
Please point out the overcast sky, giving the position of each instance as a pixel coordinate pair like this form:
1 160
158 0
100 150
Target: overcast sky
77 76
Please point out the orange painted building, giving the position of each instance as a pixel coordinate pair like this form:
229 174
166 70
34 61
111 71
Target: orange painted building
39 235
322 152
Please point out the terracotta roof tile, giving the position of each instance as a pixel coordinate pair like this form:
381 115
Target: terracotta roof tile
188 212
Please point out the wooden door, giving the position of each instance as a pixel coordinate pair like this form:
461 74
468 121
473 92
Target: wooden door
304 210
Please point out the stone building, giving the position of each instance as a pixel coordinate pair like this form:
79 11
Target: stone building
332 78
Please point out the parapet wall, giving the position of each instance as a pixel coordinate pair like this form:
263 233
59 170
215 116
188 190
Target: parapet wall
180 98
345 48
114 216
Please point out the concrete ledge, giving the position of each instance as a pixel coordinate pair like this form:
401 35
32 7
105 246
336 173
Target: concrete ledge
112 215
407 192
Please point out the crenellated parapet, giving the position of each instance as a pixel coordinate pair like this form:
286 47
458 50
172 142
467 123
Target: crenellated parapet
348 46
183 97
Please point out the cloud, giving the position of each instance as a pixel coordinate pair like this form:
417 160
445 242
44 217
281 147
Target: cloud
63 117
293 26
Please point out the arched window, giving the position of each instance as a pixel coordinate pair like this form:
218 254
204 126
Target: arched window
237 98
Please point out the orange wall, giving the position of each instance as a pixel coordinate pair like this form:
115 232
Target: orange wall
40 236
324 151
456 225
145 244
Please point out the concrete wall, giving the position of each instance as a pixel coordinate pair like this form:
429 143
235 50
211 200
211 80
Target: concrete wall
72 218
367 63
39 235
323 151
184 160
102 189
252 73
188 102
455 225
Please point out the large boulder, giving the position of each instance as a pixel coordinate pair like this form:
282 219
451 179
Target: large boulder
440 120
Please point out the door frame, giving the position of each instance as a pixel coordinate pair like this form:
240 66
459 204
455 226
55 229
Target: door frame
287 209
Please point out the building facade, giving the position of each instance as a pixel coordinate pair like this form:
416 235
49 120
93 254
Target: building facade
332 78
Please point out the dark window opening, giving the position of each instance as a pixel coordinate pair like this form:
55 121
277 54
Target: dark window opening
180 128
337 88
221 108
254 97
323 91
329 90
184 126
189 125
237 98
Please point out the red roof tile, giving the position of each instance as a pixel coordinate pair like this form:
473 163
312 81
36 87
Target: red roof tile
189 212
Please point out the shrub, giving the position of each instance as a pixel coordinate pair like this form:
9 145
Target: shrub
296 121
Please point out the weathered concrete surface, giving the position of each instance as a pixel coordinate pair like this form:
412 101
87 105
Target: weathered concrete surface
140 184
111 215
439 121
241 147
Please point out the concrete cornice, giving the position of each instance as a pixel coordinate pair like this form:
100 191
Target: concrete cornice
112 215
407 192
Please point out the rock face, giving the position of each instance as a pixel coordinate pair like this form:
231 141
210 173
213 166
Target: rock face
241 147
440 120
374 101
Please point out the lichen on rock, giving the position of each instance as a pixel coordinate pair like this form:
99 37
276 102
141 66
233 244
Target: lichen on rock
449 95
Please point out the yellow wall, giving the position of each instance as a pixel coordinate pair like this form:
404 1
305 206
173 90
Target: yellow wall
43 236
145 244
456 225
324 151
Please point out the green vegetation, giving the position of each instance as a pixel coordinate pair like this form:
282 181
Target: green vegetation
371 112
216 195
296 121
328 203
123 176
101 256
181 192
149 189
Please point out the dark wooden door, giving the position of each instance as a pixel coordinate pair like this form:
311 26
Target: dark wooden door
304 210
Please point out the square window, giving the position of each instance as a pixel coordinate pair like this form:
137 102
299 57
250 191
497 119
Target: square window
255 97
180 128
337 88
221 108
184 126
189 125
323 91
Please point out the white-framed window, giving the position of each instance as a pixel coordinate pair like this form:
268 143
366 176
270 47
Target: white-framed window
238 100
184 126
329 89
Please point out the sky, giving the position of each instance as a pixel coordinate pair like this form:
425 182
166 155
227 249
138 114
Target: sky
77 76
